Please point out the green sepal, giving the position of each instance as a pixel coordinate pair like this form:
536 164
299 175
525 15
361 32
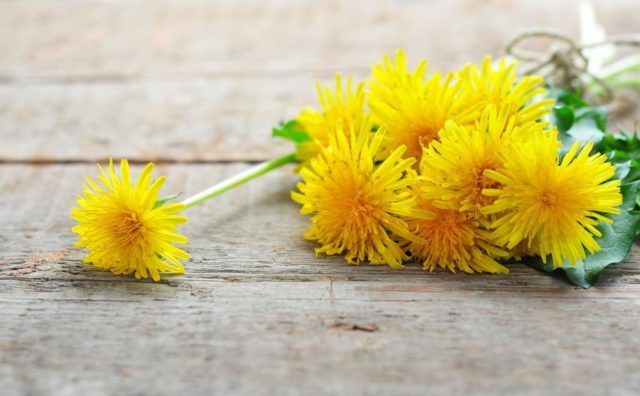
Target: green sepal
163 200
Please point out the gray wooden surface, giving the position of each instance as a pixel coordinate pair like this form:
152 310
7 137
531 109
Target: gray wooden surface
196 86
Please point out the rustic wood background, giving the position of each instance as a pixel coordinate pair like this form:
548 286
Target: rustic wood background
196 86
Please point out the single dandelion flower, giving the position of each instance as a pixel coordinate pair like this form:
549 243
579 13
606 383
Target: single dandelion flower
412 110
124 227
342 107
500 87
554 206
454 165
453 240
356 206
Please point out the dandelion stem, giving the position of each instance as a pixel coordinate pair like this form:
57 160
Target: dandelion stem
239 179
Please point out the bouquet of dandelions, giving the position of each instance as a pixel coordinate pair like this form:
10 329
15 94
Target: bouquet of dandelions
466 171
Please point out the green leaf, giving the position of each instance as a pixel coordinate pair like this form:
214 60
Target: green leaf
622 171
565 97
615 242
595 115
633 175
163 200
562 117
588 126
575 119
292 131
621 147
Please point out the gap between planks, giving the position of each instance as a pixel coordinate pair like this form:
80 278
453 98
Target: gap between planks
132 160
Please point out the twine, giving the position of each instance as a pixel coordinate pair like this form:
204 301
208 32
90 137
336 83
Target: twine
565 66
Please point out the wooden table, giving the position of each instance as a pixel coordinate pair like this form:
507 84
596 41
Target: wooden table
196 86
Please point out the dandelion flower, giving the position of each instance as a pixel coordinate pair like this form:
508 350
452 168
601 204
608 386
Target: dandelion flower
124 229
341 108
412 110
554 206
498 87
453 240
454 165
356 205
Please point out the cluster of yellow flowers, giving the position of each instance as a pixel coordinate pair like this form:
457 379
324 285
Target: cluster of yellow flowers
460 171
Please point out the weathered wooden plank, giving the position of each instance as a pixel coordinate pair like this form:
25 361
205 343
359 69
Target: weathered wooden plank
205 81
225 119
311 337
253 229
258 314
222 119
141 38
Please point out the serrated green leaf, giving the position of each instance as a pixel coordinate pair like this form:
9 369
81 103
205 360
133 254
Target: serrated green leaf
292 131
621 147
615 242
163 200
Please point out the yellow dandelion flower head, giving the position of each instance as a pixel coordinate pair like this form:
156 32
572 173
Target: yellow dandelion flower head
499 86
454 165
124 230
341 107
411 108
355 204
555 206
453 241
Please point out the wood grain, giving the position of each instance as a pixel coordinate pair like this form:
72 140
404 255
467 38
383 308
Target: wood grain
221 120
194 82
257 313
206 81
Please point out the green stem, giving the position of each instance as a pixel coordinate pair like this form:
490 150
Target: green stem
239 179
629 83
633 82
629 64
617 75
